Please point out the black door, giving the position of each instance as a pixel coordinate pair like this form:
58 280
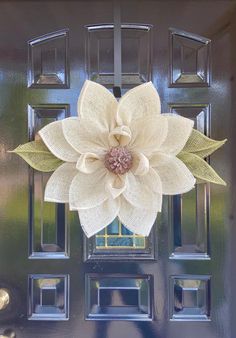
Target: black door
179 281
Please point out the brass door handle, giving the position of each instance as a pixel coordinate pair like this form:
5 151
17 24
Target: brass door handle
4 302
4 299
8 334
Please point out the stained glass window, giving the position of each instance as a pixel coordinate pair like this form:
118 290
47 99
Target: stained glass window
116 235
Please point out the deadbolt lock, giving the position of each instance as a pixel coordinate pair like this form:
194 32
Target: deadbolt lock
4 299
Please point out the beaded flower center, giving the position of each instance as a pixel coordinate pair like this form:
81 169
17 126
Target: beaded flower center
118 160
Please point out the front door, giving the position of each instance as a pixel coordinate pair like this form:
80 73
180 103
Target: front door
54 282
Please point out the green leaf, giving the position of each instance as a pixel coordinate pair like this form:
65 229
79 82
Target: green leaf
200 168
38 156
202 145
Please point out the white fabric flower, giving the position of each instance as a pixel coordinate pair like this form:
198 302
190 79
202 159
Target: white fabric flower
120 158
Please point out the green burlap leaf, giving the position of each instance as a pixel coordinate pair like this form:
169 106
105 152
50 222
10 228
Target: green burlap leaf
200 168
38 156
201 145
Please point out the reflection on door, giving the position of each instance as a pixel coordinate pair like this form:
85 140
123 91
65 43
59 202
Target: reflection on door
188 215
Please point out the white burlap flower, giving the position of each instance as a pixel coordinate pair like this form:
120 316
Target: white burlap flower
120 158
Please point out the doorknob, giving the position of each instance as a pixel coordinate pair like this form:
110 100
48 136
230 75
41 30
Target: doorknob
8 334
4 299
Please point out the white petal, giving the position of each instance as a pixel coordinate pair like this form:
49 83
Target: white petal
148 134
58 185
53 137
179 130
120 136
70 127
143 191
139 221
88 190
175 176
140 164
98 104
115 184
141 101
89 162
95 219
85 135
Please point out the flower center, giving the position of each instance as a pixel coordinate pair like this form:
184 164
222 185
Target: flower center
118 160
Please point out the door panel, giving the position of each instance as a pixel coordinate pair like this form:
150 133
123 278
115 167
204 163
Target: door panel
189 214
48 222
119 297
48 64
189 59
178 281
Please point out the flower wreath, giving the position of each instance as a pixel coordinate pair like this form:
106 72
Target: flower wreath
120 158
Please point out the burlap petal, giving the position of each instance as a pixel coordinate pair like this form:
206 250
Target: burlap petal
120 136
97 103
139 221
53 137
95 219
58 185
179 130
141 101
86 135
88 191
175 177
89 163
148 133
116 184
143 191
140 164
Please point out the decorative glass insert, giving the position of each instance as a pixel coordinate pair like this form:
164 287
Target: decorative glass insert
136 54
117 236
190 298
116 242
48 297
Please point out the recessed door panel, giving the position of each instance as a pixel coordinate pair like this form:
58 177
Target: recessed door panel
191 295
48 297
119 297
190 213
48 222
136 54
189 59
48 61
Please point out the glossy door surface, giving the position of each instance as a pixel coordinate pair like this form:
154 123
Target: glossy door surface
179 282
